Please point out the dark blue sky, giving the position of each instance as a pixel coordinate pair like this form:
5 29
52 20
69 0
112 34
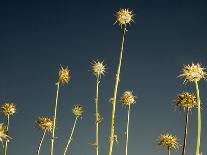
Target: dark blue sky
37 36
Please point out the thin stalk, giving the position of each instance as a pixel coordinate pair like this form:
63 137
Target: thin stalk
54 121
185 133
127 132
71 135
115 94
168 150
97 115
7 131
199 119
41 140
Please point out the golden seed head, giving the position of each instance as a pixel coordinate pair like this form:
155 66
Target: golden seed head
45 123
168 140
194 72
186 100
3 135
98 68
124 17
77 110
8 109
128 98
64 75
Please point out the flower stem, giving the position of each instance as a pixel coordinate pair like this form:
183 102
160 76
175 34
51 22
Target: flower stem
127 131
168 150
41 140
71 135
186 133
115 94
54 121
199 119
7 131
97 115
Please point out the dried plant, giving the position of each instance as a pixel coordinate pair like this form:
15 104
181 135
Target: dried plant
3 134
123 18
63 78
194 73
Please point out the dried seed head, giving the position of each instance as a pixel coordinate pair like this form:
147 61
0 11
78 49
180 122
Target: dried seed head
128 98
77 110
64 75
124 17
169 141
186 100
193 72
3 135
98 68
45 124
8 109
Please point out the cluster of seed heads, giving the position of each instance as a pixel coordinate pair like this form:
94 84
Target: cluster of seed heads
77 110
8 109
169 141
45 124
64 75
128 98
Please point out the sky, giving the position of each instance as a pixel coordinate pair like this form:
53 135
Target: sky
38 36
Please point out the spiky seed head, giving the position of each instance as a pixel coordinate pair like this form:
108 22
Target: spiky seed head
124 17
3 135
45 124
128 98
64 75
77 110
98 68
186 100
8 109
169 141
194 72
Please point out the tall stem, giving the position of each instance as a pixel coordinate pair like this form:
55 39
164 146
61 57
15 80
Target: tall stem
168 149
127 132
41 140
54 121
115 94
97 115
7 130
199 119
71 135
186 133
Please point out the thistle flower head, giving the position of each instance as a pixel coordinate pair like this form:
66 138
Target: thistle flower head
98 68
168 140
77 110
128 98
124 17
186 100
3 135
194 72
45 124
8 109
64 75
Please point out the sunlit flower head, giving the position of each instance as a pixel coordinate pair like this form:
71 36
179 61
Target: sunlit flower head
3 135
169 141
128 98
124 17
64 75
45 124
98 68
77 110
194 72
8 109
186 100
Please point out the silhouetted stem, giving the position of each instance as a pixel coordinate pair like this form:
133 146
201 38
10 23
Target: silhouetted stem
199 119
54 121
186 133
7 131
40 144
115 94
71 135
127 131
97 116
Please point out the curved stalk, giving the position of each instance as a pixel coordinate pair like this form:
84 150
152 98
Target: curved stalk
54 121
127 132
7 130
115 94
97 116
71 135
199 119
41 140
186 133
